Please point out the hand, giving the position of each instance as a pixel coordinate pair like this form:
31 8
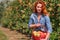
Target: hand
43 39
37 25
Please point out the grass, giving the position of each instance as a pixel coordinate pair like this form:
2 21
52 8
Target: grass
3 36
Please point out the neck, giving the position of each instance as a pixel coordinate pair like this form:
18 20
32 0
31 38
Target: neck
38 14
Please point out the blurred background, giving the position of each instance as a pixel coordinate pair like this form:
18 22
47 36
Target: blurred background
15 14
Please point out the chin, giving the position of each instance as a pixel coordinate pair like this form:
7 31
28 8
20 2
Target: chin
39 12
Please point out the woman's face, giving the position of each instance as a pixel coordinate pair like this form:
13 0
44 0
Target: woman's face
39 8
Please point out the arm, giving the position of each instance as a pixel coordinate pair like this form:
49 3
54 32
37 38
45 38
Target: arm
48 35
49 27
31 25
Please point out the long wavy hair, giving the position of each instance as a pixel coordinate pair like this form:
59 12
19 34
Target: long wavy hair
44 11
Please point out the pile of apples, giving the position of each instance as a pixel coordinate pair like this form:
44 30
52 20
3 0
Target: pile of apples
37 35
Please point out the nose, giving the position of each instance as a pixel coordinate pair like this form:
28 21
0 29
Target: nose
39 8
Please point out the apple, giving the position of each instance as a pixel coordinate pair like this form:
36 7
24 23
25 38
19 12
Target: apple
36 33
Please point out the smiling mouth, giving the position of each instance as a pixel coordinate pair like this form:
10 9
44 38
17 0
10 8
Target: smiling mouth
39 10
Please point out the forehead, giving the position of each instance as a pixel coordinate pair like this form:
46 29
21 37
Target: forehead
40 5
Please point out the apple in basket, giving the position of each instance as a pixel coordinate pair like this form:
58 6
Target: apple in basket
40 34
43 34
36 33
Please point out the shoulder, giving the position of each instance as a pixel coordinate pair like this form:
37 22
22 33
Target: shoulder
32 15
47 17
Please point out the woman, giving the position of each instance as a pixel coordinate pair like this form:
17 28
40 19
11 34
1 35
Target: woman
40 21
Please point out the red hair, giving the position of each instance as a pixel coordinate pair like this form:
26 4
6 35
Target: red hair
44 11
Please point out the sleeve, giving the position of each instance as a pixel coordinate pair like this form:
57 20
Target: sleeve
30 21
48 24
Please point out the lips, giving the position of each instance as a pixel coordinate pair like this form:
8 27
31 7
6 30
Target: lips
38 10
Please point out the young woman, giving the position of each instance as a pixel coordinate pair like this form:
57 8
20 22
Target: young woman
40 21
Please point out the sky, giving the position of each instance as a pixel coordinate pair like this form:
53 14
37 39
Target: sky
5 0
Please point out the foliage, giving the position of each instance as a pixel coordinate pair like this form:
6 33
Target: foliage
1 9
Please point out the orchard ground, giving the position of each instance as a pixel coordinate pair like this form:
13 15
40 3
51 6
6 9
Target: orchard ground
12 35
